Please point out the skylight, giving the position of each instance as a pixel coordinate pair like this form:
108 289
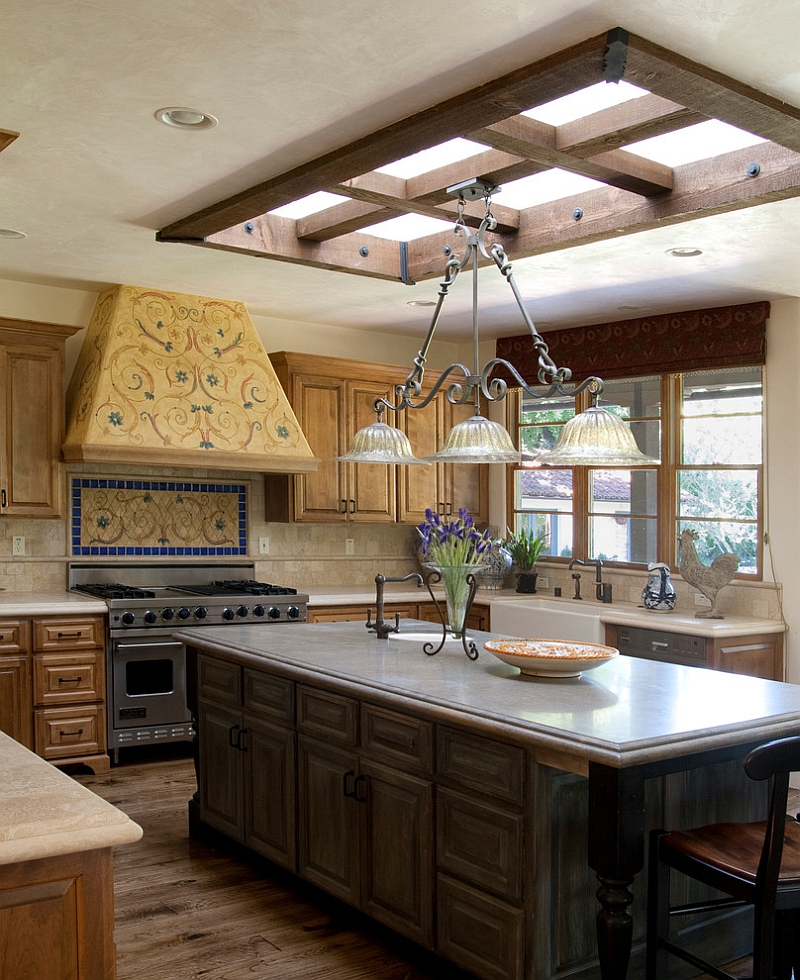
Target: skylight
436 156
694 143
408 227
308 205
576 105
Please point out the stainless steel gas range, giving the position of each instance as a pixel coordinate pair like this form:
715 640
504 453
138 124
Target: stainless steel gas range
147 603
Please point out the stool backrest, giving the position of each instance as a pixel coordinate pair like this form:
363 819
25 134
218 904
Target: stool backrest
773 760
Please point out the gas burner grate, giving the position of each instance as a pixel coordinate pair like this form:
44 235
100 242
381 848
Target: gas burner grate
249 587
115 590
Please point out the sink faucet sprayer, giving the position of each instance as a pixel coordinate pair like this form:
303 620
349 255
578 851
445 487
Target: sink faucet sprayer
382 629
599 591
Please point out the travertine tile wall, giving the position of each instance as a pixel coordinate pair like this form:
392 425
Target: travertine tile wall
313 555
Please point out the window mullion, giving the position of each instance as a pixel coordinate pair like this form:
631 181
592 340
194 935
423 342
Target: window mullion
671 406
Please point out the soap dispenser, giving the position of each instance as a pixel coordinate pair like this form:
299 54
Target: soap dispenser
659 593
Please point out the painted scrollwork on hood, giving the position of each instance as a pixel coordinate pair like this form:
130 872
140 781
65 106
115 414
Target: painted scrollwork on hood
172 379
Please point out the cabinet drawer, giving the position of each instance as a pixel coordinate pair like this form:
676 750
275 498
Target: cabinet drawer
68 634
482 764
479 932
13 636
327 715
397 738
64 732
219 681
269 696
480 843
66 678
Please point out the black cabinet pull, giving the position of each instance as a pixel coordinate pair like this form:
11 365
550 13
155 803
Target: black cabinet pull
3 498
70 680
233 736
352 506
70 734
241 741
349 791
360 784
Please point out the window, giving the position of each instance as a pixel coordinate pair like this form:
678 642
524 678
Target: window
705 426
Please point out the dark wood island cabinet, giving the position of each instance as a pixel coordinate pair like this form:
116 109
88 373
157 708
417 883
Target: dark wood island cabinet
469 808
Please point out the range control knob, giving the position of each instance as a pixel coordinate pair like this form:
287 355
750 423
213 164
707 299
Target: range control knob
150 617
241 611
168 614
201 612
184 613
293 612
259 610
274 612
227 614
127 618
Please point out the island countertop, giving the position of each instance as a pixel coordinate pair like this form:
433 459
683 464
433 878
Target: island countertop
626 712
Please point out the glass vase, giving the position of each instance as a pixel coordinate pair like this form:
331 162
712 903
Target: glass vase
456 594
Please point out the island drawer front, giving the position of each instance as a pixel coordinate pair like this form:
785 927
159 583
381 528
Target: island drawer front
64 732
68 634
478 932
480 843
269 696
481 763
396 738
327 715
13 636
219 681
66 678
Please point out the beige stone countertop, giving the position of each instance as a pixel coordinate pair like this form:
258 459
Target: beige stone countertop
628 711
620 614
677 621
44 813
49 604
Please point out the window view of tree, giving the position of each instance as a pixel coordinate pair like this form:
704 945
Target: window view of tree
709 478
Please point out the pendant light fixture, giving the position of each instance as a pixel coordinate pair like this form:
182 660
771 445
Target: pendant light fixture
595 437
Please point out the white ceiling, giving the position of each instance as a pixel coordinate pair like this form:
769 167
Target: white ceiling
93 175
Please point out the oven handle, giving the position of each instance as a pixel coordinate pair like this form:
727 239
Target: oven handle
148 643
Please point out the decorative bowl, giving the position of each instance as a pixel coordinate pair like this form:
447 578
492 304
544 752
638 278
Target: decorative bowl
550 658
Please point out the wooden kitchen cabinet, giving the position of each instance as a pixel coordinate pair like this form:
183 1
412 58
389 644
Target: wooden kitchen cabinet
68 672
31 382
333 398
247 752
15 681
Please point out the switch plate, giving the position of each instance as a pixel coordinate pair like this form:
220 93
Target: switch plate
263 546
18 545
349 546
700 600
543 582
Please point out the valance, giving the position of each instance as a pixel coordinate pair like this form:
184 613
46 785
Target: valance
725 336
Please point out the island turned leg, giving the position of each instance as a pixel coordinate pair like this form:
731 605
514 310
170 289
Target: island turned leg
616 854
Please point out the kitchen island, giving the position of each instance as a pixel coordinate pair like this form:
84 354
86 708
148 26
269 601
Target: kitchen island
462 803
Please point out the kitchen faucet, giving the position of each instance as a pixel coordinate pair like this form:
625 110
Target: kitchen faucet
382 629
598 589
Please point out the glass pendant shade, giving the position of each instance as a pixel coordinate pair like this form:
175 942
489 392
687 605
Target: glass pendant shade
381 443
595 437
477 440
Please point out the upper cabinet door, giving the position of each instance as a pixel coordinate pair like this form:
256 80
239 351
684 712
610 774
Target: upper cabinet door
321 408
32 400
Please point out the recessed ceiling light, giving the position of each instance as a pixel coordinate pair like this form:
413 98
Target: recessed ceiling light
10 233
687 252
421 302
181 117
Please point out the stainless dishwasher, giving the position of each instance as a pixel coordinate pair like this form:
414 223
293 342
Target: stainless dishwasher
674 648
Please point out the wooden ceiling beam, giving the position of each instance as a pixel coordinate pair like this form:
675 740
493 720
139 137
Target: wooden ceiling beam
710 92
620 125
525 87
710 187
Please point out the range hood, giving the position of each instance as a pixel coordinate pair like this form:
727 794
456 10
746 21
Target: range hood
169 379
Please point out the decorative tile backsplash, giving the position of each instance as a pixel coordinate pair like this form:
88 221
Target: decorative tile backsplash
157 517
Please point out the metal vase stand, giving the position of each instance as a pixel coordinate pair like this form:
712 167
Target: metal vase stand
467 643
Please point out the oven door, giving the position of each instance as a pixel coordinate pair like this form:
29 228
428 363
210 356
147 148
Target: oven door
148 683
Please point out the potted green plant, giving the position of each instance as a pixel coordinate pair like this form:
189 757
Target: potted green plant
526 548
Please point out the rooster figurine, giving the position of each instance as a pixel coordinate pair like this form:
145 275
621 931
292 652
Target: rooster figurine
706 579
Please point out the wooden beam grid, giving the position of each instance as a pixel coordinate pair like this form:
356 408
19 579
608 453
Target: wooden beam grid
638 193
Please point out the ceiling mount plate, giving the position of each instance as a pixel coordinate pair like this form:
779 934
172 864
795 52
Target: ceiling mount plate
475 189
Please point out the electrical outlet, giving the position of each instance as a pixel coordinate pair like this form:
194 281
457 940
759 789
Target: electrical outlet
349 546
543 582
263 546
19 545
700 600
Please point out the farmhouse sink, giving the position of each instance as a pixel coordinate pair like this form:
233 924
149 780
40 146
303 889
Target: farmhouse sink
554 619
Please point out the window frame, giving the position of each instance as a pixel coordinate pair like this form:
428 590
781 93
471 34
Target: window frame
667 515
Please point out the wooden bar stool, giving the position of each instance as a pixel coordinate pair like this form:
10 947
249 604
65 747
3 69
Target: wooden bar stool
755 864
